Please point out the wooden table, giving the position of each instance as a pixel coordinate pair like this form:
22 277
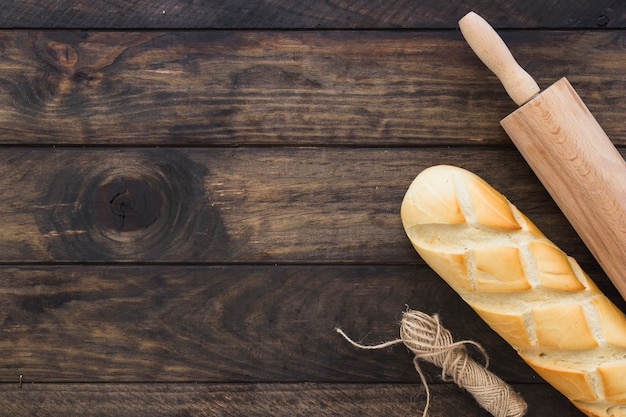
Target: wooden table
196 193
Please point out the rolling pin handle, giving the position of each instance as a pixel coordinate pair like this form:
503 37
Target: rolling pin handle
494 53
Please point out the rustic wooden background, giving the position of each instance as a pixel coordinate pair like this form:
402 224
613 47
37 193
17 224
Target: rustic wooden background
196 193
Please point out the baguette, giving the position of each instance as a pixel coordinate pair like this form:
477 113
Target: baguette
522 285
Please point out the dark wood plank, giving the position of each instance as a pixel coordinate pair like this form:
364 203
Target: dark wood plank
226 88
116 14
234 205
227 323
240 323
155 400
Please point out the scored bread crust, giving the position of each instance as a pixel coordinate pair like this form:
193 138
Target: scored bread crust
522 285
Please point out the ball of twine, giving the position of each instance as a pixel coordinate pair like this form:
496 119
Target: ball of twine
430 341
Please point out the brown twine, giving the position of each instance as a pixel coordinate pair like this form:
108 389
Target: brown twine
428 340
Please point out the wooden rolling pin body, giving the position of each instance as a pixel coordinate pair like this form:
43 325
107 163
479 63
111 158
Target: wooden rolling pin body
566 148
581 169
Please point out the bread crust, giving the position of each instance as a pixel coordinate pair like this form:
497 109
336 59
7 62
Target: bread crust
522 285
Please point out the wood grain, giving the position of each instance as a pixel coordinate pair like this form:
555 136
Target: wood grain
237 205
239 323
227 323
301 14
156 400
312 88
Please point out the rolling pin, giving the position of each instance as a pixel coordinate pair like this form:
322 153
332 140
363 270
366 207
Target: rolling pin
566 148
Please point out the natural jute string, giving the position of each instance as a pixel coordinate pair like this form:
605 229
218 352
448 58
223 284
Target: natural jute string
428 340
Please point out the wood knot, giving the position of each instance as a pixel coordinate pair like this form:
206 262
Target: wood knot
62 54
127 204
133 205
83 76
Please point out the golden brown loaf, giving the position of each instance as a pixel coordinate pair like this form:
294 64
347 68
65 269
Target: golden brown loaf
530 292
